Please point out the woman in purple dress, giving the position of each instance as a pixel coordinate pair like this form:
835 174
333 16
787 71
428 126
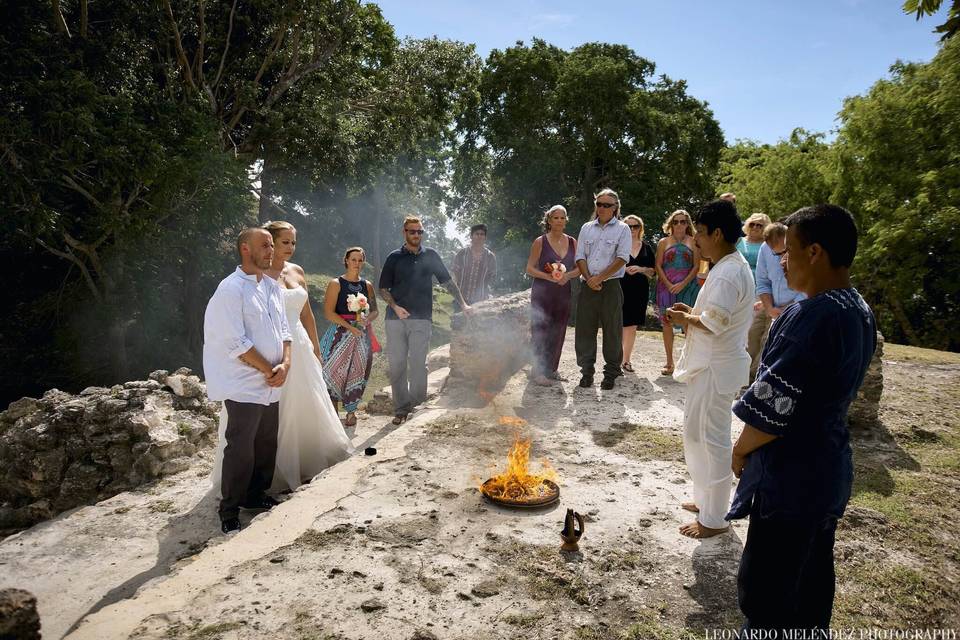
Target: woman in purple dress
550 297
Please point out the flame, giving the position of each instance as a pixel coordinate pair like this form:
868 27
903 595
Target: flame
512 421
517 483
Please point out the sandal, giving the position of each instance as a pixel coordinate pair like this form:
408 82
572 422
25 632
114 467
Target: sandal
351 420
666 371
399 418
626 366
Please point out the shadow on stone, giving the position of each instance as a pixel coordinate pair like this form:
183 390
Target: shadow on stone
182 537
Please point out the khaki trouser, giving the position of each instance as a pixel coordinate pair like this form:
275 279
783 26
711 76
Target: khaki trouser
756 338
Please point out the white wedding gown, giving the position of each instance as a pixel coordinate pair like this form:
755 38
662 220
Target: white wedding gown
311 436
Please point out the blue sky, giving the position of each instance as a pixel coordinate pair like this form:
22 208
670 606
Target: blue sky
764 67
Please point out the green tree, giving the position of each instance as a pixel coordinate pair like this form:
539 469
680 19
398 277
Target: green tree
555 127
897 169
921 8
777 179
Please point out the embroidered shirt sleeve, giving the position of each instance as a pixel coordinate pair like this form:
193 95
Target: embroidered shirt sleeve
719 305
771 403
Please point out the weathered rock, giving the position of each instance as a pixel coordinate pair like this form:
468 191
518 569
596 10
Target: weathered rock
493 342
186 386
19 408
371 605
486 589
64 450
438 358
380 404
423 634
866 406
19 619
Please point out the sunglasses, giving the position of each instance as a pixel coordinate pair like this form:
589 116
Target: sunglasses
755 224
414 232
634 226
681 221
606 205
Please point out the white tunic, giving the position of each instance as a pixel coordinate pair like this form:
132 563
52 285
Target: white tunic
725 306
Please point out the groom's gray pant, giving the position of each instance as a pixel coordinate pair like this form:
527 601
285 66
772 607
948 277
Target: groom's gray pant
407 344
250 455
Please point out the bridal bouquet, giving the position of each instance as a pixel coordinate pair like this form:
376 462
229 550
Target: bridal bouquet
358 305
555 269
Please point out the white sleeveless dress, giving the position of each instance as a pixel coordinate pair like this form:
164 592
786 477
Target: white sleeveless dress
311 436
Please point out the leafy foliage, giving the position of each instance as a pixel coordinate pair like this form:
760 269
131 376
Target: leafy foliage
554 126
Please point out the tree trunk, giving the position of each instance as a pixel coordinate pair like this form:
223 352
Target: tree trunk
901 317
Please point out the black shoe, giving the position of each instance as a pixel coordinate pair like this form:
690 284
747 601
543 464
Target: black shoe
230 525
586 381
607 383
264 503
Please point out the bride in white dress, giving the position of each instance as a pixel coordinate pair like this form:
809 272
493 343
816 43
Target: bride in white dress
311 436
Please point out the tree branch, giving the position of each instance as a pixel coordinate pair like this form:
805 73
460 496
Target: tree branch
84 18
178 43
73 184
69 256
58 20
226 46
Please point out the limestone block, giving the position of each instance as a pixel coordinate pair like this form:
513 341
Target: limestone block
865 408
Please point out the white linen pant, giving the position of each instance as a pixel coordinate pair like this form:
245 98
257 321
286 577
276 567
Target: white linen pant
707 447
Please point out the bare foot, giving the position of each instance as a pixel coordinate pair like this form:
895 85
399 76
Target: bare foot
697 530
690 506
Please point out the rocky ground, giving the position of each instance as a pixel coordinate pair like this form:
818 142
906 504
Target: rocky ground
401 545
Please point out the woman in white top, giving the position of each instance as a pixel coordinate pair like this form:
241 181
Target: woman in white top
311 436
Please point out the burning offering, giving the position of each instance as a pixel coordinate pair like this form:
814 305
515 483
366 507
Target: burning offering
517 487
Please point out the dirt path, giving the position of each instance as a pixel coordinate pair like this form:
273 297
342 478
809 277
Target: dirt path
386 546
400 545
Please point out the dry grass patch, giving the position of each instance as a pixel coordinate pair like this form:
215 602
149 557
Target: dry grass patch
642 442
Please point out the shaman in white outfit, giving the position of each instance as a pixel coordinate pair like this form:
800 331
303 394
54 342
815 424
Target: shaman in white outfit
715 365
311 436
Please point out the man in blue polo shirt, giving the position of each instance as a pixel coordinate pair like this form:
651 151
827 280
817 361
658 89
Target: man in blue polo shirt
406 285
793 457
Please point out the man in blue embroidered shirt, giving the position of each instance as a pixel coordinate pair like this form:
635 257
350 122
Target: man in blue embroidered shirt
603 250
793 457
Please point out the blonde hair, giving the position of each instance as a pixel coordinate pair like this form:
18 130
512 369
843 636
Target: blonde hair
546 215
346 254
755 217
411 220
639 221
276 226
668 223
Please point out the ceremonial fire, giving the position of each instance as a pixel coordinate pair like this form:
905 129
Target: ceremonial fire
516 486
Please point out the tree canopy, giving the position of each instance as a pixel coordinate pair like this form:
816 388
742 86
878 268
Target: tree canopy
555 126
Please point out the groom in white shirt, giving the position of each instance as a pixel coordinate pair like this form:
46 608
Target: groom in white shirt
714 363
246 356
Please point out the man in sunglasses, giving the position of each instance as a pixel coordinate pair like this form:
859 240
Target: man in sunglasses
406 285
603 250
